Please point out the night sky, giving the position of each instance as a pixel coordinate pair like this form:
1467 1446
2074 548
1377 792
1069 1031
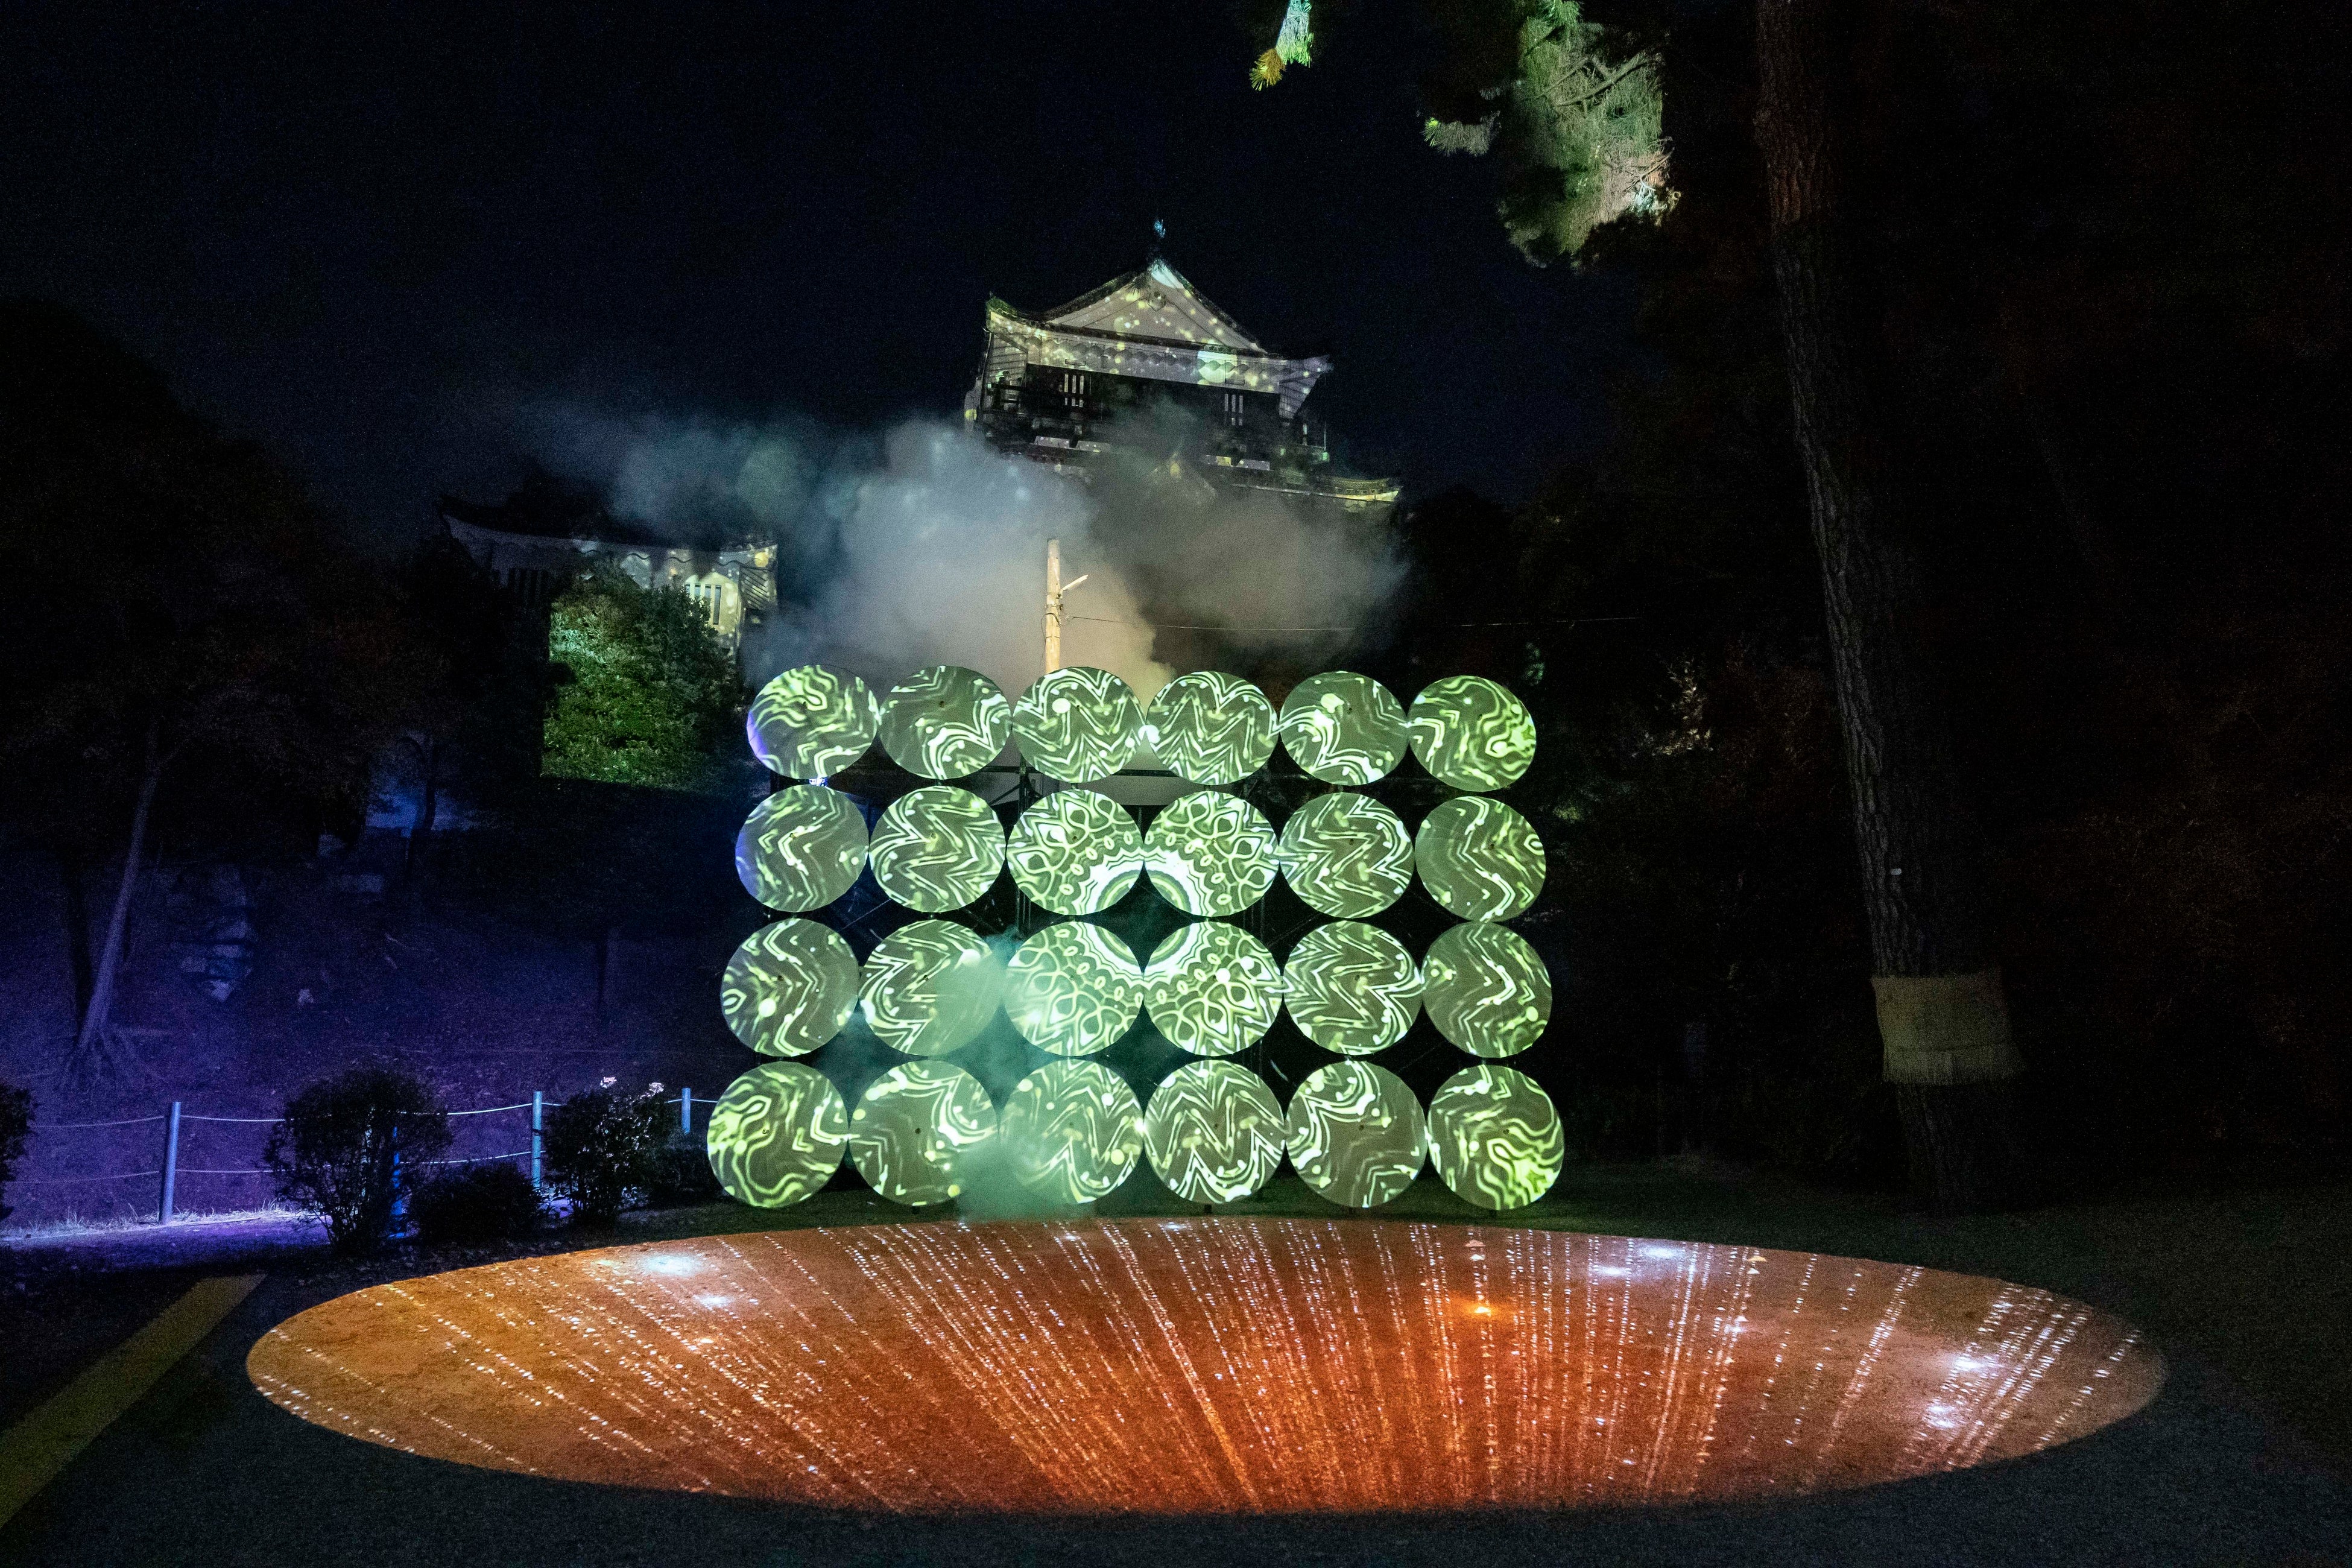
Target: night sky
370 236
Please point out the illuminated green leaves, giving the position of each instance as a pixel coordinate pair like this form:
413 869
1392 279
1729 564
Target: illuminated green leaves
1211 989
1496 1137
945 723
1351 988
1485 989
1346 855
789 988
1072 989
1211 727
929 987
1076 852
1072 1130
1355 1133
1078 725
811 722
1343 728
1210 854
913 1129
1213 1132
1472 734
801 848
1479 859
937 849
776 1135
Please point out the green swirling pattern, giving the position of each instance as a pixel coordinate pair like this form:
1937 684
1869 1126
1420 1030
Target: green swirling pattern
1077 724
1472 734
1496 1137
913 1129
1343 728
1211 989
1072 1131
776 1135
1072 989
937 849
811 722
1213 1132
945 723
1485 989
1210 854
1076 852
1351 988
1346 855
789 988
801 848
929 987
1211 728
1479 859
1355 1134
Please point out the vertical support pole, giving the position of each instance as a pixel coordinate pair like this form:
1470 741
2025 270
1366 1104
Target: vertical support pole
1052 605
171 1164
685 1107
537 1121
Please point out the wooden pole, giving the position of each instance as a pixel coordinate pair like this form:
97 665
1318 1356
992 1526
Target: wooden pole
171 1165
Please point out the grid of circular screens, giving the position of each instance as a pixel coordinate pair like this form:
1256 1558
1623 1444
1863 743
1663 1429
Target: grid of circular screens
937 849
1355 1133
789 988
1351 988
929 987
1472 734
1072 989
1213 1132
1495 1137
776 1135
1077 724
914 1127
1343 728
1076 852
1485 989
1479 859
1346 855
1210 854
1072 1130
811 722
1211 989
1211 728
945 723
801 848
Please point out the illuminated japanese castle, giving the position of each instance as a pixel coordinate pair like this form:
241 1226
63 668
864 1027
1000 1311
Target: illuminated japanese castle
1052 387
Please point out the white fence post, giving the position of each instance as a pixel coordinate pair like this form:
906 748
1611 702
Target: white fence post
685 1109
171 1164
537 1103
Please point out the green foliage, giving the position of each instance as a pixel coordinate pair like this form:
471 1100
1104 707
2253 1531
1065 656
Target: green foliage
16 1123
602 1149
681 1171
476 1204
352 1148
644 694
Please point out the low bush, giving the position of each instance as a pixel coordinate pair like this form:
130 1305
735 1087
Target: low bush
601 1150
15 1121
681 1171
474 1203
352 1148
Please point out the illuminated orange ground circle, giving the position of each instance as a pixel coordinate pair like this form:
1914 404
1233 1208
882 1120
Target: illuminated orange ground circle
1207 1366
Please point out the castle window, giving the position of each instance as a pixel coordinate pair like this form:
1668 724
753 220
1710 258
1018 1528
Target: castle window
1235 407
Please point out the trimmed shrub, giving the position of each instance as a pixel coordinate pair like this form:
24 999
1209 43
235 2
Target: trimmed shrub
473 1204
681 1171
352 1148
600 1150
15 1121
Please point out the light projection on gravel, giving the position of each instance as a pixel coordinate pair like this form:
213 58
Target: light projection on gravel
1210 854
1495 1137
1346 855
776 1135
789 988
1211 989
1343 728
1351 988
1072 989
929 987
913 1128
937 849
1075 852
1077 724
1485 989
811 722
1072 1131
1211 728
1355 1133
1472 734
1207 1366
1479 859
945 723
801 848
1213 1132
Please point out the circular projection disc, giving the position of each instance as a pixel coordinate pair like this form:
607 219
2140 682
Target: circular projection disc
1076 852
1485 989
929 987
801 848
811 722
945 723
1479 859
937 849
1213 1132
1210 854
910 1135
1355 1133
789 988
1211 728
1213 989
1472 734
1346 855
1072 989
1495 1137
1077 724
1351 988
1343 728
1073 1131
775 1136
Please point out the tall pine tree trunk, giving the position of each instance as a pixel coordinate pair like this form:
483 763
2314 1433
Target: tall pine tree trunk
89 1055
1943 1016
